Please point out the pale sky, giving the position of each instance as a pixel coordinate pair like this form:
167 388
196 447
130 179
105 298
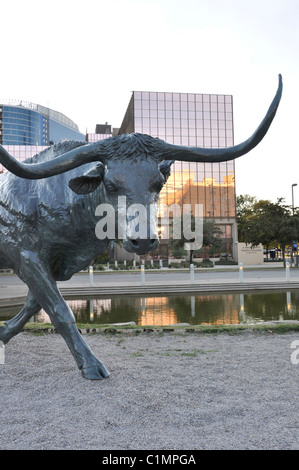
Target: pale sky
84 58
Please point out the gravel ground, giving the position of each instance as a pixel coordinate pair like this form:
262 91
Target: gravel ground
174 391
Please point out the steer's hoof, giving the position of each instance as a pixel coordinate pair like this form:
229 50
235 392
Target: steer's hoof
95 372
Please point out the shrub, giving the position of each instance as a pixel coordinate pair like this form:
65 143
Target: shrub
226 262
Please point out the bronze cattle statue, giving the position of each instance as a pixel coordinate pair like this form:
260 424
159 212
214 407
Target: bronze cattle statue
48 215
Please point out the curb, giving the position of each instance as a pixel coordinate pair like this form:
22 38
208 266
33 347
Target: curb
131 328
175 289
139 290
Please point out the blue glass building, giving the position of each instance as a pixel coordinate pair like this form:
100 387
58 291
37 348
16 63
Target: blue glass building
24 123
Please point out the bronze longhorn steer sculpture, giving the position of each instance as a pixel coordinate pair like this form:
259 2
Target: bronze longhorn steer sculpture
47 215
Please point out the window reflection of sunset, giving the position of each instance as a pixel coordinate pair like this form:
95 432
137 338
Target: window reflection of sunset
184 187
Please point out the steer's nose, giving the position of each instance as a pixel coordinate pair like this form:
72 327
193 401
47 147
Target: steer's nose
141 246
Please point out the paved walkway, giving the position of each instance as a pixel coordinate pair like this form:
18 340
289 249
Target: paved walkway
229 278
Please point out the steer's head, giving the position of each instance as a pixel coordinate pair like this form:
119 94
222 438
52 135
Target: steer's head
130 183
135 167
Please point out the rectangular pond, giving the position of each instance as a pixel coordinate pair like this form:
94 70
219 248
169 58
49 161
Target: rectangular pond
202 309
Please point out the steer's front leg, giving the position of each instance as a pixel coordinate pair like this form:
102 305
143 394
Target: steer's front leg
41 283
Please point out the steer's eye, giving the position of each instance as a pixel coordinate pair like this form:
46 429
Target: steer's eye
164 168
158 185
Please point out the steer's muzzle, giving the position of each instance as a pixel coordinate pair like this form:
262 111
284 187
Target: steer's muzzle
141 246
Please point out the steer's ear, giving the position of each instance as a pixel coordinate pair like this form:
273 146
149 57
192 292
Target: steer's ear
164 167
88 182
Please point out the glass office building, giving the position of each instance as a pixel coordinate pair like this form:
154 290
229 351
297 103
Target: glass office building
27 128
189 119
24 123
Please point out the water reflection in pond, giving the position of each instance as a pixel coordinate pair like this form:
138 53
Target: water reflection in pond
211 309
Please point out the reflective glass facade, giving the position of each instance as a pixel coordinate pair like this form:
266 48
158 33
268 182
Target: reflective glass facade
58 131
23 126
26 123
193 120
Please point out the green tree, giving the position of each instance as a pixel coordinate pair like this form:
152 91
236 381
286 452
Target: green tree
265 222
244 206
211 239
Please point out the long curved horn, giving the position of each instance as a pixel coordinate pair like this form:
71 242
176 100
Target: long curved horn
94 152
198 154
101 151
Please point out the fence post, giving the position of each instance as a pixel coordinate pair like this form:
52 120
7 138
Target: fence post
91 276
142 275
241 272
192 273
287 271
